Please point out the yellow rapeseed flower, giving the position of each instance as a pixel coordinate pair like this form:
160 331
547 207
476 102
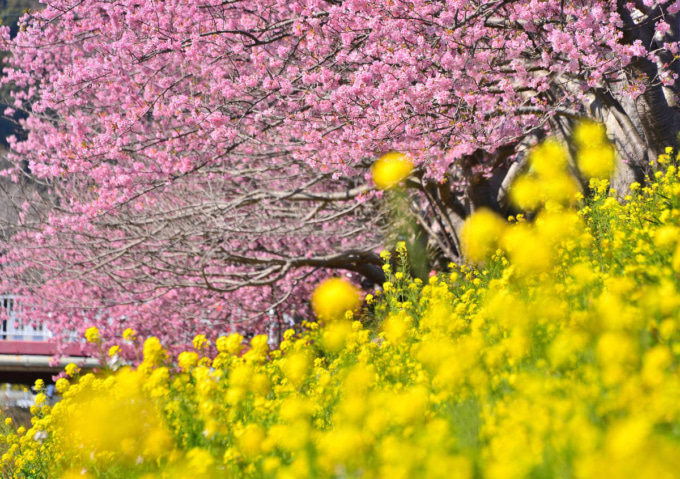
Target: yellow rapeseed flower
596 156
396 328
481 234
251 440
333 298
391 169
92 334
232 344
71 369
129 334
62 385
335 335
200 342
526 193
295 368
187 360
153 351
548 160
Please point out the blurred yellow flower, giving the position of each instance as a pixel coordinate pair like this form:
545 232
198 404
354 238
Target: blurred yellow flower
76 474
251 440
547 181
295 367
153 351
526 193
396 328
548 160
119 422
589 134
597 163
596 157
333 298
335 335
391 169
481 234
187 360
232 344
527 250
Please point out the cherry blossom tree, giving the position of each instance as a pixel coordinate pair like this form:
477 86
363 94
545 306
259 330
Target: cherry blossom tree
198 165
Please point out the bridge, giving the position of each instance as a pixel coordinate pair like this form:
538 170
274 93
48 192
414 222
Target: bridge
27 353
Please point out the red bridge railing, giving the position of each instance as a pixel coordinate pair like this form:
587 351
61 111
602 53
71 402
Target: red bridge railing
27 352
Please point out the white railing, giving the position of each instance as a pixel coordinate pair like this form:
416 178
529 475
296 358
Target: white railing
13 327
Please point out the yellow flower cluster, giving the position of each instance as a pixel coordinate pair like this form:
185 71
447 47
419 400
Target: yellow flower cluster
560 358
548 179
596 157
92 335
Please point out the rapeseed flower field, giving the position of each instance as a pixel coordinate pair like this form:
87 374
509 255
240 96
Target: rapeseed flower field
553 354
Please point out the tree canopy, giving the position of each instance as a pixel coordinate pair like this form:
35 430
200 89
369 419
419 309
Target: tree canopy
198 165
